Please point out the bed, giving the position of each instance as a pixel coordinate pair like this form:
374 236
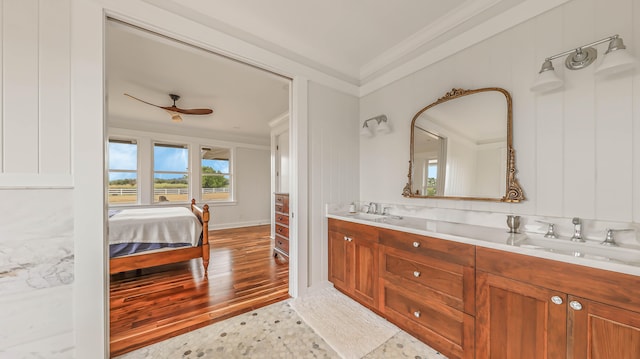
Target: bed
147 237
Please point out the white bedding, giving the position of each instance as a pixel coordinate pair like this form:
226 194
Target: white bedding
155 225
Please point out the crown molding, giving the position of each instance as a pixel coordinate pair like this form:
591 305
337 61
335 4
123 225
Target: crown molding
449 21
506 20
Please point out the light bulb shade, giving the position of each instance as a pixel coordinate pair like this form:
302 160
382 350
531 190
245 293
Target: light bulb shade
383 127
175 116
615 61
547 79
365 131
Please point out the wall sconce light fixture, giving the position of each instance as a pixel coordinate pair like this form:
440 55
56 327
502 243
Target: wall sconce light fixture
382 126
616 59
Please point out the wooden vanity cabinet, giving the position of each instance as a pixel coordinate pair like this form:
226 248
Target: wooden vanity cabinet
427 287
353 260
529 307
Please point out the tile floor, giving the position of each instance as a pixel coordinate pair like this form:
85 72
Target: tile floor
275 331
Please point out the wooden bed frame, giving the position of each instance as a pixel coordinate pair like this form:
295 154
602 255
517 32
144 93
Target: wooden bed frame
137 261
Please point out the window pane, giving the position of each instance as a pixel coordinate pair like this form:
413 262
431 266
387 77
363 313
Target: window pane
170 187
123 156
216 187
216 178
215 160
170 158
123 188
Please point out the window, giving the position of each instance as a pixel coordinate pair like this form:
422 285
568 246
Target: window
123 172
216 174
170 173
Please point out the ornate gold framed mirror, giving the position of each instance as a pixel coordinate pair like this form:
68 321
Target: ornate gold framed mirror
462 148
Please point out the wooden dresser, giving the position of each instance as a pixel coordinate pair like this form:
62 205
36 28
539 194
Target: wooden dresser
281 245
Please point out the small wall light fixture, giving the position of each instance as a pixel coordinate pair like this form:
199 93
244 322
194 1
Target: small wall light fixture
382 126
616 59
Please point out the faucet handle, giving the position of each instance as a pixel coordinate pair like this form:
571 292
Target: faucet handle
551 230
609 240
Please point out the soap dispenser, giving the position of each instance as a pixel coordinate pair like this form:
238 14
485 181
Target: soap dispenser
352 208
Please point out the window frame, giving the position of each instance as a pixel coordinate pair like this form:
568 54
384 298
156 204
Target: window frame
188 172
129 140
230 174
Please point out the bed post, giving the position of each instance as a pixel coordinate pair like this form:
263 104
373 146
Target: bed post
205 239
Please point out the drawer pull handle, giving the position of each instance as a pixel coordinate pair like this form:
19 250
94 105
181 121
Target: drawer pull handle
416 274
416 314
416 244
348 239
556 299
575 305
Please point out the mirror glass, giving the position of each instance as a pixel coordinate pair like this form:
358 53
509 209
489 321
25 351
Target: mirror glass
461 148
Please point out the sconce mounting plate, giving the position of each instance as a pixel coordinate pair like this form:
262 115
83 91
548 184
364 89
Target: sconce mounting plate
581 58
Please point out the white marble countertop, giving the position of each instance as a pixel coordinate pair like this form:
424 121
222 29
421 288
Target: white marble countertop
590 254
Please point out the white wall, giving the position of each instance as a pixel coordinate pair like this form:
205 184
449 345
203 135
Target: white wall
333 171
577 149
36 226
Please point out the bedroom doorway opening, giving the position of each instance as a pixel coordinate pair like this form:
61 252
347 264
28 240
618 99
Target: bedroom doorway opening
171 154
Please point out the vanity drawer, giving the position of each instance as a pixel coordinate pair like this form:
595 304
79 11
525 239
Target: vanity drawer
282 244
282 230
445 329
282 219
350 229
282 203
430 278
444 250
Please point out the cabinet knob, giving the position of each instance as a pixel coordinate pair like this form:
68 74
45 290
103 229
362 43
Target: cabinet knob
348 239
416 314
575 305
416 274
416 244
556 299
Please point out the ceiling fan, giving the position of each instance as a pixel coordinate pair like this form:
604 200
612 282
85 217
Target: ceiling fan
175 111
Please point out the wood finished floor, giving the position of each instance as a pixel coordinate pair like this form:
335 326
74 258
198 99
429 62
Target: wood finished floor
150 305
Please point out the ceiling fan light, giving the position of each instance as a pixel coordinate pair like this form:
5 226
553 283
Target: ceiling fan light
175 117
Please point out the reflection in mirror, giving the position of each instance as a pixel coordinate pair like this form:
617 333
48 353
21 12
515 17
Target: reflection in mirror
461 148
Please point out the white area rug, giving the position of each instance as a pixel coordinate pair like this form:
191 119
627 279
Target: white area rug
350 329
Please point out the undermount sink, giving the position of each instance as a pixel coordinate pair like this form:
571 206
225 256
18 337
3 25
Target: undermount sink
583 250
366 216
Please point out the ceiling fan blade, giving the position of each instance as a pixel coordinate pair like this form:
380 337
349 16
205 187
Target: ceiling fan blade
143 101
193 111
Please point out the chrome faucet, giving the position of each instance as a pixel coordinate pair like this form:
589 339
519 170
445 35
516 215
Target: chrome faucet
577 230
372 208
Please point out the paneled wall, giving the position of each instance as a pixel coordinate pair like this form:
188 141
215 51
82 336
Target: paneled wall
36 226
35 135
333 155
577 148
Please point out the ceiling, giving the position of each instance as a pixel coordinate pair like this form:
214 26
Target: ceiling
244 99
354 40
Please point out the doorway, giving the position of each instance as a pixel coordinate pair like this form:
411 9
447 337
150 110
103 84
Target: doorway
142 124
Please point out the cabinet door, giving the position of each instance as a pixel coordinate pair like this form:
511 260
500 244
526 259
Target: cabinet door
601 331
365 271
516 320
338 260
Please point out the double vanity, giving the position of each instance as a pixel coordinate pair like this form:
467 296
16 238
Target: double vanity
479 292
